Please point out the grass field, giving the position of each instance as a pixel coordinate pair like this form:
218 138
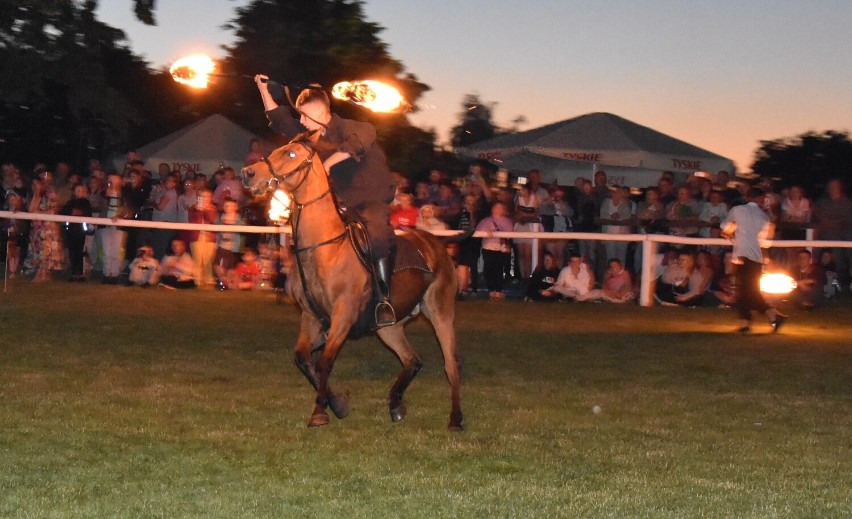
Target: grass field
122 402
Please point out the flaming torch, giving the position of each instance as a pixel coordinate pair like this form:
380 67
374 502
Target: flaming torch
375 95
197 69
777 283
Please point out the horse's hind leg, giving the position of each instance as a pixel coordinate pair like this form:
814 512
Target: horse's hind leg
394 338
439 308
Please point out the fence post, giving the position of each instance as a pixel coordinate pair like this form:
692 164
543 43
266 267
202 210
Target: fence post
649 251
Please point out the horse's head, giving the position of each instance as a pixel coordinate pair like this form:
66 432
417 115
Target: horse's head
286 167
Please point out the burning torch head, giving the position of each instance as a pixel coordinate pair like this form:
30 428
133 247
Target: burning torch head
193 70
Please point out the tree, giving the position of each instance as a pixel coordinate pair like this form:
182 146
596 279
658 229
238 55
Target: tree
300 42
66 82
475 122
809 160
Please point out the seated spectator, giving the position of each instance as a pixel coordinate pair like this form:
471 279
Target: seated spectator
246 275
700 277
176 269
722 292
829 269
674 280
144 269
427 220
576 279
617 286
267 260
810 281
540 286
404 215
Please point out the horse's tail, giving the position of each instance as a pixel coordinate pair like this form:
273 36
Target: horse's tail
456 238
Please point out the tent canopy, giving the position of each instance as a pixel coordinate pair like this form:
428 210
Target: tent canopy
199 147
580 145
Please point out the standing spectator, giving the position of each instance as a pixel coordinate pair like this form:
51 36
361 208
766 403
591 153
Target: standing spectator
795 213
229 187
587 211
467 264
15 234
713 211
75 233
833 216
602 191
164 199
683 211
617 208
667 192
203 243
45 247
255 153
448 204
526 220
111 238
496 252
750 227
176 269
136 193
228 244
563 215
185 200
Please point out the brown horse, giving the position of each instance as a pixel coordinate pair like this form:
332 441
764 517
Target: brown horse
333 286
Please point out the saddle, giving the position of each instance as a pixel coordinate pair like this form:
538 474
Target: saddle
406 256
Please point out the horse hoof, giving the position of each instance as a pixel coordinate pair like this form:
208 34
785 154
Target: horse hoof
340 406
318 420
398 413
455 427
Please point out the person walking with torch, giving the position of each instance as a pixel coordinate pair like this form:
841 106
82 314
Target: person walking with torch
357 169
749 227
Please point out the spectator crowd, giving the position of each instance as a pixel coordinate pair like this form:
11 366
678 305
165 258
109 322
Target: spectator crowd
579 270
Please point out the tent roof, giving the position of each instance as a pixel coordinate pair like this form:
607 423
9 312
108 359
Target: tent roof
215 137
602 132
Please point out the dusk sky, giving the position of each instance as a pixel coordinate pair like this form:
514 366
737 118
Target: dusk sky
720 74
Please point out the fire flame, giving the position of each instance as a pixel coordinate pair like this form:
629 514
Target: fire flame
777 283
375 95
279 206
193 70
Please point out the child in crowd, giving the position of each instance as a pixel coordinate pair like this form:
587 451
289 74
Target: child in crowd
144 269
177 268
228 244
246 274
266 259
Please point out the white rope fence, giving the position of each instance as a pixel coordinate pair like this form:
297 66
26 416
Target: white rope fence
648 241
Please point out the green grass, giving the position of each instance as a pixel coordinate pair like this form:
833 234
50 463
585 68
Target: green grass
120 402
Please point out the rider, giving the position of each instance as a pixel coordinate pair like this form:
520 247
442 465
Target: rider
357 169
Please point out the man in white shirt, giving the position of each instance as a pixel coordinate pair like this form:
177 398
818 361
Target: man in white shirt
749 228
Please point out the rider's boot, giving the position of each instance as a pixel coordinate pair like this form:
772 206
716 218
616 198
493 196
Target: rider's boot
385 315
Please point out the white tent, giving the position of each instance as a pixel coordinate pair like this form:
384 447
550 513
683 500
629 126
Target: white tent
199 147
630 153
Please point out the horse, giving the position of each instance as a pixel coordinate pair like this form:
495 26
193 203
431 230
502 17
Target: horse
333 286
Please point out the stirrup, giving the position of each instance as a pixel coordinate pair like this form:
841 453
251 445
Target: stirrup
384 314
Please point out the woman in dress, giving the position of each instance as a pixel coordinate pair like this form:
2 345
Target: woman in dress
45 248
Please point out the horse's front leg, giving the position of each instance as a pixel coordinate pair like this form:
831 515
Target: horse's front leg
325 363
311 341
